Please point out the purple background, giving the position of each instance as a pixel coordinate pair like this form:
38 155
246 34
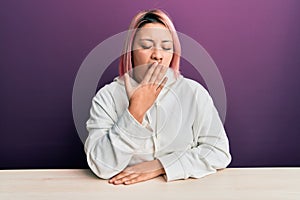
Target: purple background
255 44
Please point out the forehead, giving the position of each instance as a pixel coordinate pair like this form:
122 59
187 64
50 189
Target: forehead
154 31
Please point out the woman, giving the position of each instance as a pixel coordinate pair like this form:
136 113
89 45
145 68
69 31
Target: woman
151 121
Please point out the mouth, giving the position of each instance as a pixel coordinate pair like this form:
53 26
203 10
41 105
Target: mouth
150 64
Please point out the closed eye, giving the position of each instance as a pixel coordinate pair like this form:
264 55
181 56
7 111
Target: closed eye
167 49
145 47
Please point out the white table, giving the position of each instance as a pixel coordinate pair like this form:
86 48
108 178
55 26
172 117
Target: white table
231 183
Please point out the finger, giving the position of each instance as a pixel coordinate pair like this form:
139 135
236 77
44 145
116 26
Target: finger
128 86
161 74
137 179
119 176
127 81
149 73
155 74
163 83
126 178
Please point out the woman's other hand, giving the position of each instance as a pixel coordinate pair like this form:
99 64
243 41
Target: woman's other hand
138 173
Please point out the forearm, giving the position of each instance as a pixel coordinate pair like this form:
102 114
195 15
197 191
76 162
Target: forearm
120 142
182 164
105 158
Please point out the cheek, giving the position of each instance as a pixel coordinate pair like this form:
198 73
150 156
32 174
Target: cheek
140 57
167 59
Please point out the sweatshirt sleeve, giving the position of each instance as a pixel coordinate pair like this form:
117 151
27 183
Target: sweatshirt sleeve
212 149
113 140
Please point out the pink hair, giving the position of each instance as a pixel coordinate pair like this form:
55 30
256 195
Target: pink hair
125 63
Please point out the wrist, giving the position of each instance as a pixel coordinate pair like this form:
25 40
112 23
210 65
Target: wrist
136 114
160 167
162 172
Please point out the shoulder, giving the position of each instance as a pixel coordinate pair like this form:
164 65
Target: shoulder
196 92
195 87
109 91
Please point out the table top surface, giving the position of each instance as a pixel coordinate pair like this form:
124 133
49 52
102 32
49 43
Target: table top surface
230 183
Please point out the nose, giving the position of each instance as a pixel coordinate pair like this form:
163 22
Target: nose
157 55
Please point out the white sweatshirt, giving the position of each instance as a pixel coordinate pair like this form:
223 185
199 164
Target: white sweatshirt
182 130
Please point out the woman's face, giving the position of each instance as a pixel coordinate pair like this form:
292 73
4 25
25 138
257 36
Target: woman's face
152 42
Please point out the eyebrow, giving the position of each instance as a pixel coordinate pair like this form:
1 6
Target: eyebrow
153 40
